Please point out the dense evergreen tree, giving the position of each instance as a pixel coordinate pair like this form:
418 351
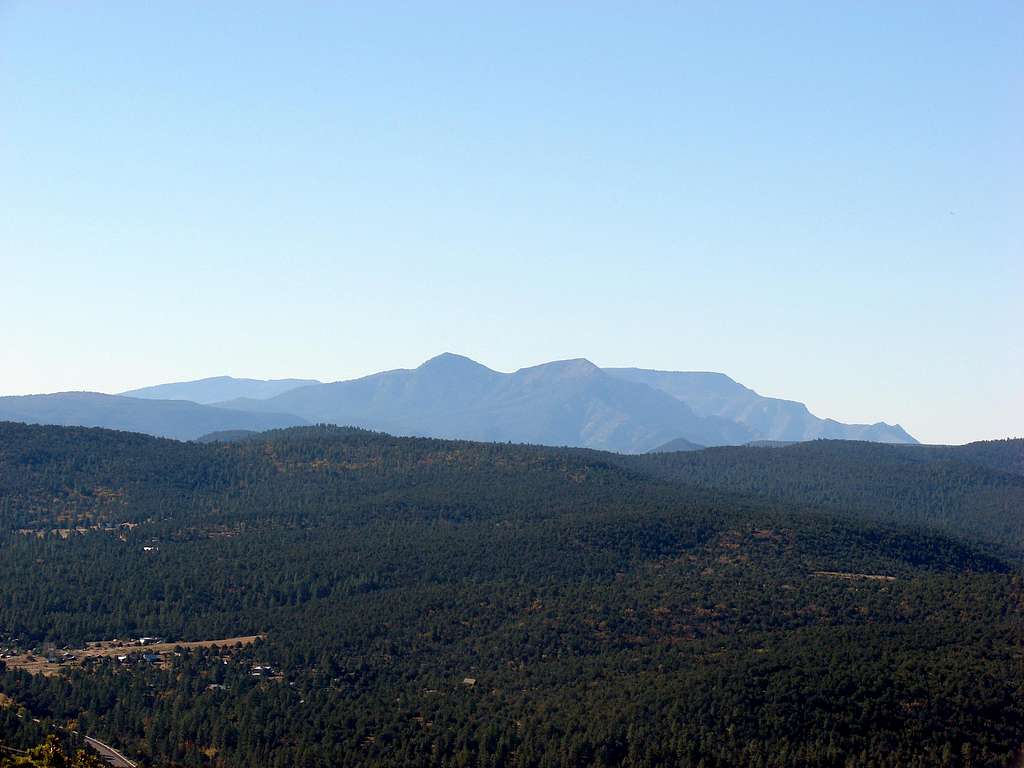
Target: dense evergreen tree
430 602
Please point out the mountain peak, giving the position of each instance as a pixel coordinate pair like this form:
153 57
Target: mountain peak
449 361
578 366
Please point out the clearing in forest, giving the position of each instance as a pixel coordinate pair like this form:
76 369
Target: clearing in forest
39 664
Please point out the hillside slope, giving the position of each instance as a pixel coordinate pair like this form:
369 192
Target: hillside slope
179 419
963 490
768 418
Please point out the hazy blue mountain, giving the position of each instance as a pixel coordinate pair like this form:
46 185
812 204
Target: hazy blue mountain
228 436
180 419
218 388
569 402
678 444
768 418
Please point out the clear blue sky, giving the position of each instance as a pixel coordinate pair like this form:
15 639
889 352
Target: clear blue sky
823 200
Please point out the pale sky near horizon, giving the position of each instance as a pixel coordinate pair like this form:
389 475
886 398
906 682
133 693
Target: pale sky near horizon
823 200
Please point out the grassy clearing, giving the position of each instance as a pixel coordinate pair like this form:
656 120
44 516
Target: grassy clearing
38 665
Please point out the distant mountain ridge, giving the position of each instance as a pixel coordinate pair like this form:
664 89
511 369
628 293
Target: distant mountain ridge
770 418
561 403
178 419
217 389
567 402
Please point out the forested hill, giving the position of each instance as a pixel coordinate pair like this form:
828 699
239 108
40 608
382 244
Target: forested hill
429 602
1005 455
975 490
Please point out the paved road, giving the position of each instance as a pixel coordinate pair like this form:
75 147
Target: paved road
114 758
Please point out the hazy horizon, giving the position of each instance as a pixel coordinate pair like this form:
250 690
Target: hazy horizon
508 371
820 202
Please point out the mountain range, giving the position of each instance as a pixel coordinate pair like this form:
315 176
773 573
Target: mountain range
218 388
567 402
179 419
715 394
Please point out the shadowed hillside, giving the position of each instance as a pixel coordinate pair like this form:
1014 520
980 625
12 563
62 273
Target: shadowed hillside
975 490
